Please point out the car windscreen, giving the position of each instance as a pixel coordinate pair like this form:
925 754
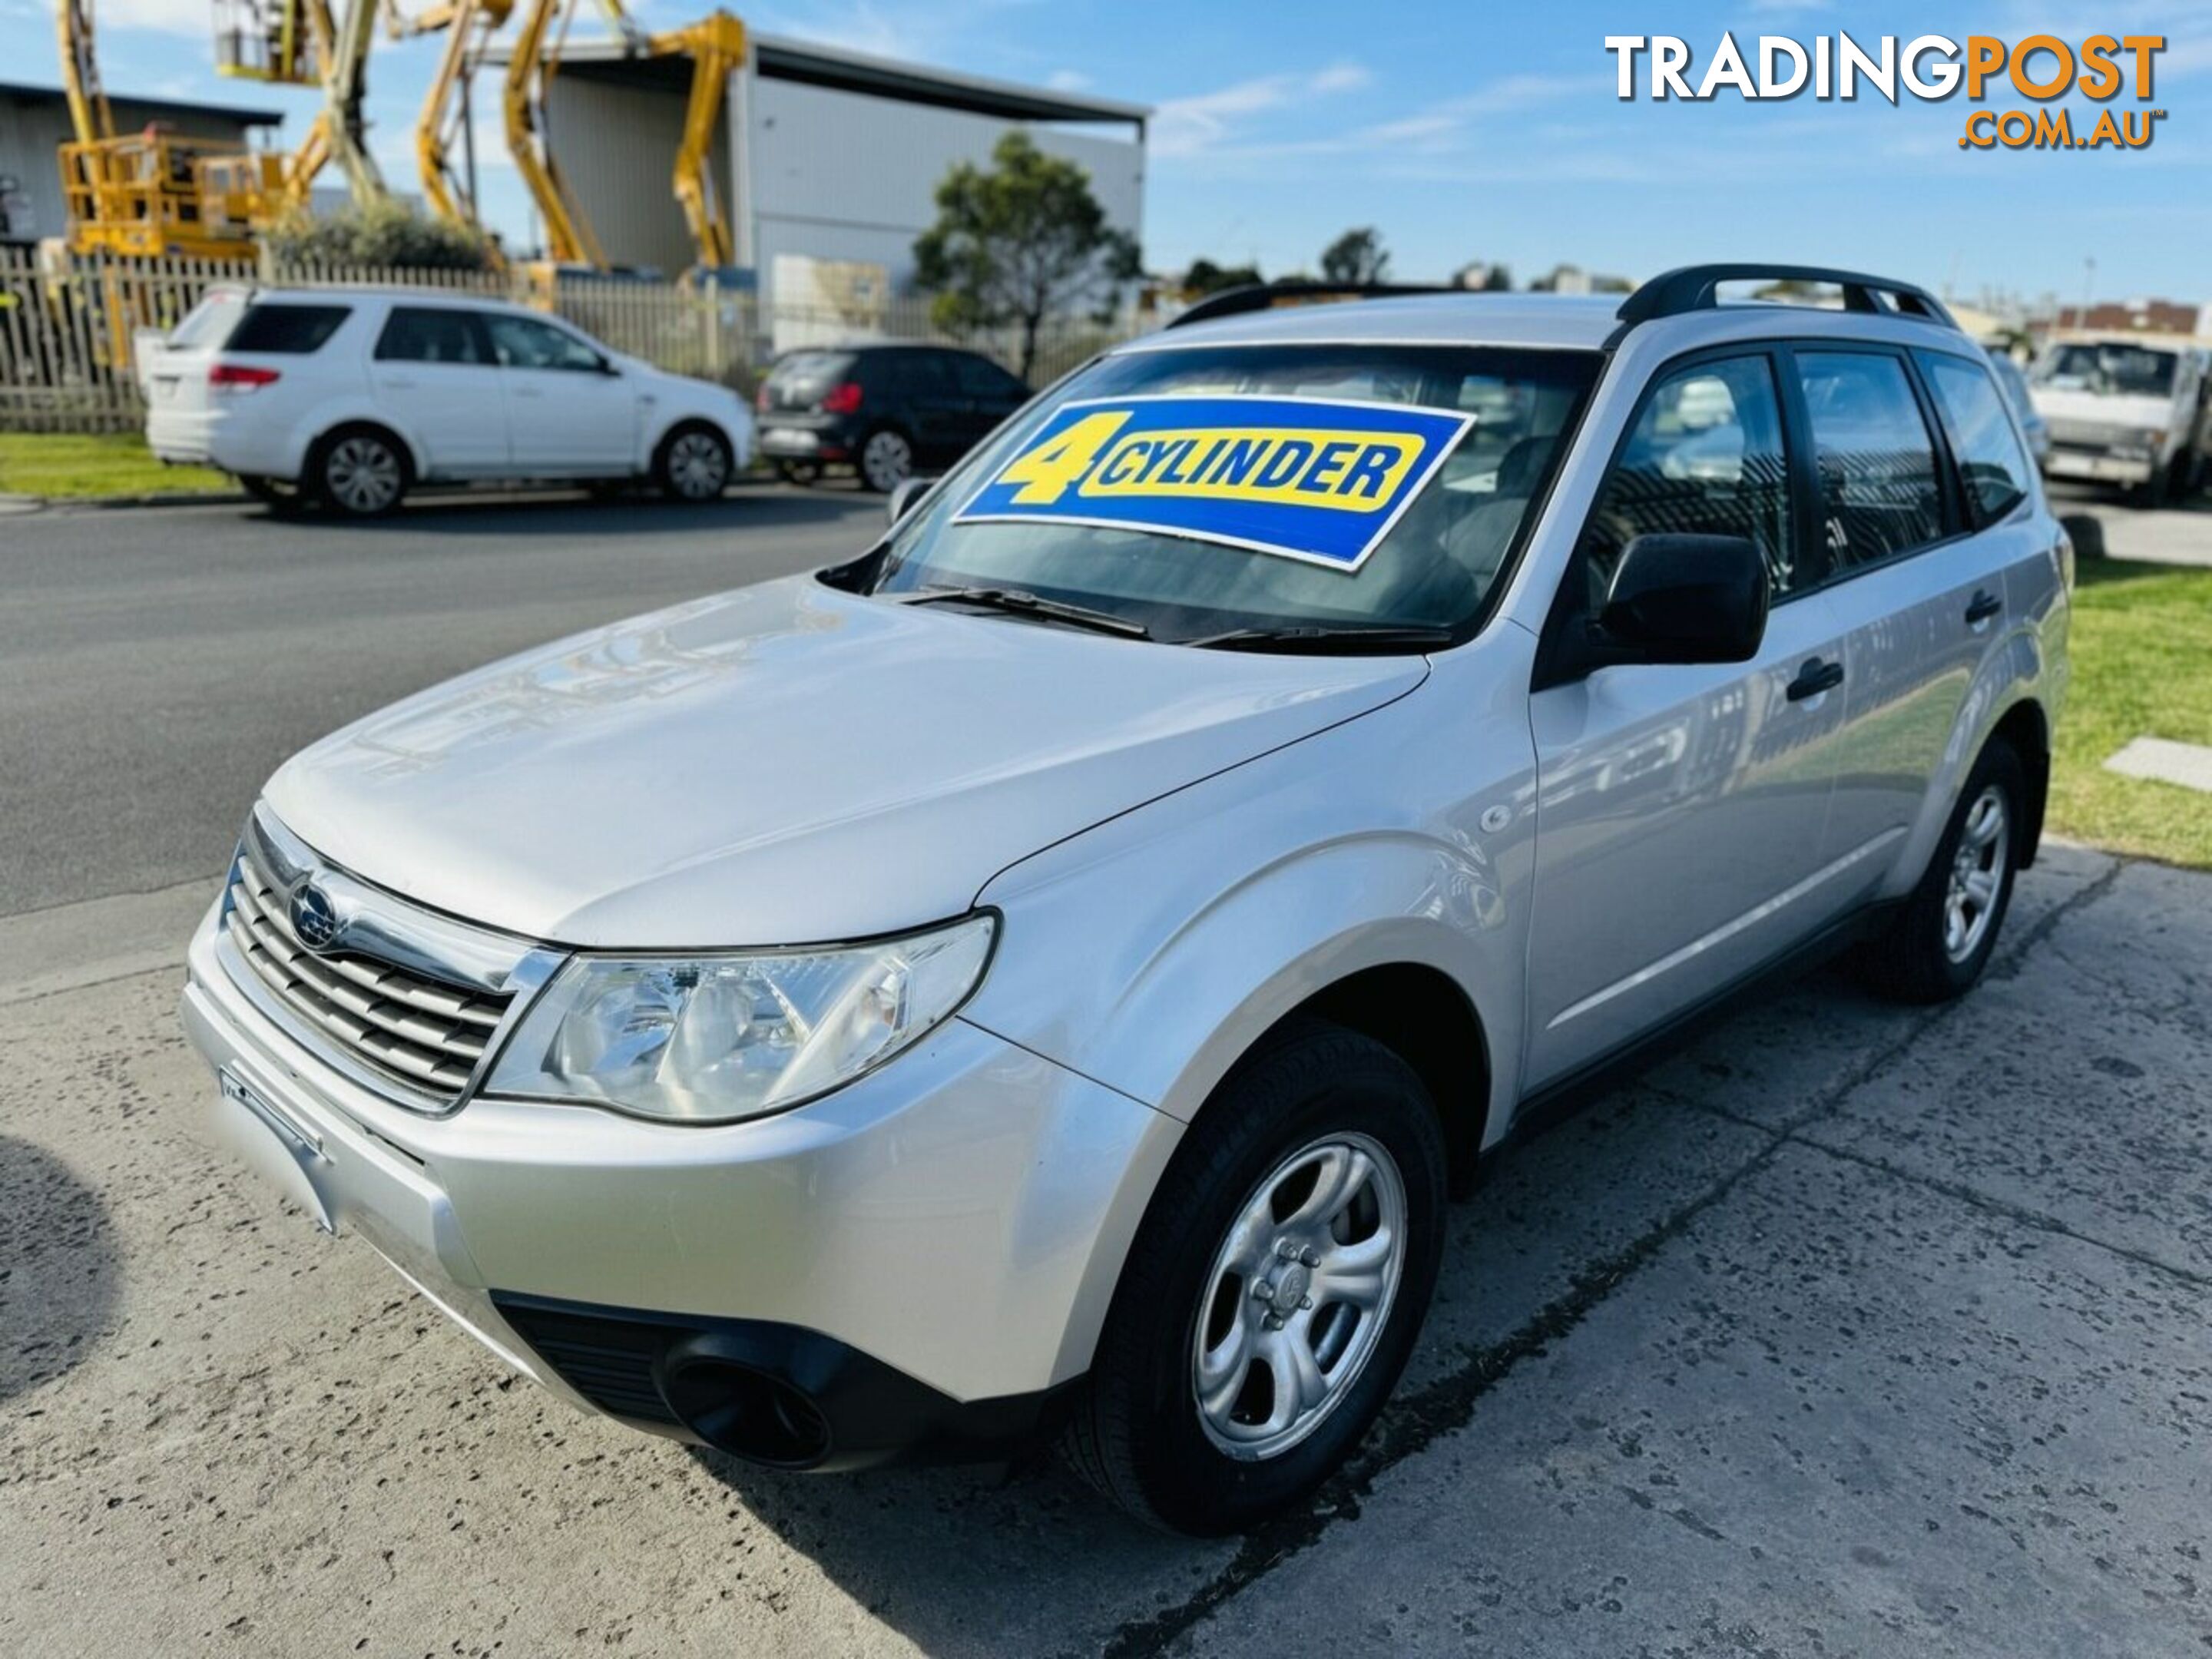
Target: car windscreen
1197 490
2109 370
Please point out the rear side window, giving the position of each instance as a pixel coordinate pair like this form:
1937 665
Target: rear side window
1991 460
979 377
209 322
804 376
421 334
1704 457
286 330
1879 496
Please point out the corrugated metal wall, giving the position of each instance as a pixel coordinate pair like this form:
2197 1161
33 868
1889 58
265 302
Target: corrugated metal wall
32 129
616 149
839 175
834 176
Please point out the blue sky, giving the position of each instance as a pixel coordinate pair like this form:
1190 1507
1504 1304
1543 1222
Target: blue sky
1468 130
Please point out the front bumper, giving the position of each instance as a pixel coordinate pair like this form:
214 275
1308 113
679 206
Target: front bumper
2097 468
925 1256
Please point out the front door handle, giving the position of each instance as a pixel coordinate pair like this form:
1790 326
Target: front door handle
1983 605
1814 677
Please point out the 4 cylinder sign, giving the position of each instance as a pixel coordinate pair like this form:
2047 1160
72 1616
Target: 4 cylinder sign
1307 478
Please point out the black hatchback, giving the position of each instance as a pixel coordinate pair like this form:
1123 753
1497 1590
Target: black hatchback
886 411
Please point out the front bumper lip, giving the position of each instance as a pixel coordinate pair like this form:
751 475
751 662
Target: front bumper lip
958 1217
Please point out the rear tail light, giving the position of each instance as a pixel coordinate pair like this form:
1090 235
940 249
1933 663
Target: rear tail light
238 377
760 398
843 398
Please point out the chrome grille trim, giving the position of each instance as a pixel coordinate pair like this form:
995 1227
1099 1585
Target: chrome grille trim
407 1002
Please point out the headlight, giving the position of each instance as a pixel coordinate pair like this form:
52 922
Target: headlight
709 1038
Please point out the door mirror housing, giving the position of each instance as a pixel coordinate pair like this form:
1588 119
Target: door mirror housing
1685 599
904 494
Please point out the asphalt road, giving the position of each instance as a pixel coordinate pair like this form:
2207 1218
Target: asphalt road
1851 1330
157 666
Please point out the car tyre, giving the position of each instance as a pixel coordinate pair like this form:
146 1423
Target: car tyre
1325 1139
1939 942
278 497
886 459
361 471
693 465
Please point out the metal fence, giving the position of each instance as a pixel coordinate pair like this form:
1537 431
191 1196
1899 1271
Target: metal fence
67 323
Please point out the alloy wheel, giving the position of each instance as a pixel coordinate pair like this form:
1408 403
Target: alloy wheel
886 461
1978 869
698 468
1298 1295
362 474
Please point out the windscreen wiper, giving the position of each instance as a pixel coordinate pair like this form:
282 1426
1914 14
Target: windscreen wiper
1328 636
1020 602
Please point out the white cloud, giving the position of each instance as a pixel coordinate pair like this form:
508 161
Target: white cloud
1208 120
1067 79
191 17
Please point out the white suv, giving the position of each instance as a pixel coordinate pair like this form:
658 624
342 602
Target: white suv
351 396
1047 972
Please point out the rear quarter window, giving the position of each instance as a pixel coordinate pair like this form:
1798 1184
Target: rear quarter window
286 330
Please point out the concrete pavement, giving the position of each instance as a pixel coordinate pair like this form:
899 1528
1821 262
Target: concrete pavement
1850 1330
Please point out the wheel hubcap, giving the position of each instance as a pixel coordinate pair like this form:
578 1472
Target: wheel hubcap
362 474
696 466
886 460
1977 873
1298 1295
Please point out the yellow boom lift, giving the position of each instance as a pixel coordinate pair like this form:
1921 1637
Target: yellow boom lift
716 46
140 194
469 26
301 43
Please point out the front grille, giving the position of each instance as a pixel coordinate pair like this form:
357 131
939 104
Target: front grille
2081 434
420 1032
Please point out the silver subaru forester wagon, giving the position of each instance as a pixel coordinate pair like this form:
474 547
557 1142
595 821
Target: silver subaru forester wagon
1046 976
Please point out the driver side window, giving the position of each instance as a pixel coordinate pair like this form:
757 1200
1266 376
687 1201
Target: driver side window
1704 457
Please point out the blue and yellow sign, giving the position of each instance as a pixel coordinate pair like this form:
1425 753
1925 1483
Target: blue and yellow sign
1307 478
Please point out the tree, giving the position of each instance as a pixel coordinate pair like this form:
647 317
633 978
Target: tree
1204 277
1356 258
1018 244
385 234
1498 281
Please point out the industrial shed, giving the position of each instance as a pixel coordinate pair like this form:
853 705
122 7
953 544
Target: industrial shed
35 123
824 155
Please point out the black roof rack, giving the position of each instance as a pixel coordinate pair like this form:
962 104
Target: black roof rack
1694 288
1266 296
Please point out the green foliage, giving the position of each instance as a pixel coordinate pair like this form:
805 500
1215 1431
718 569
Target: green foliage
1204 277
1356 258
1020 243
384 234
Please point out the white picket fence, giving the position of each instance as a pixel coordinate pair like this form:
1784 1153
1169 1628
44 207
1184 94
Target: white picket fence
66 325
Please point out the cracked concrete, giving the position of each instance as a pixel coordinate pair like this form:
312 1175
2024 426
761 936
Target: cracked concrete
1848 1330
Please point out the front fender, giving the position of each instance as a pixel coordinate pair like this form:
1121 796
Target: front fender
1150 952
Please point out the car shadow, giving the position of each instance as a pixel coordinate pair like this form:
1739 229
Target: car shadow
1026 1560
748 508
59 1275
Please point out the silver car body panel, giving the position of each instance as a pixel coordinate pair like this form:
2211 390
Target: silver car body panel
1184 846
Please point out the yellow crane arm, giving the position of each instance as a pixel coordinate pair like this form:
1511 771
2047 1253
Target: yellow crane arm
468 27
530 72
716 45
89 113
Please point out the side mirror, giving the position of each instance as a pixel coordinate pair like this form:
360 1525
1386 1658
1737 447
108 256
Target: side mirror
1688 599
904 494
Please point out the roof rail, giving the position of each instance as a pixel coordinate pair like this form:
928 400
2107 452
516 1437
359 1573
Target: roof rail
1694 288
1266 296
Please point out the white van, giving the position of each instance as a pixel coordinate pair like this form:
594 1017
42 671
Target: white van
2125 409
